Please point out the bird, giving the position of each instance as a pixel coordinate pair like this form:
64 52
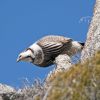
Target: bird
44 51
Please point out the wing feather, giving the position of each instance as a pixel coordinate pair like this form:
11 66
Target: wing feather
52 48
53 44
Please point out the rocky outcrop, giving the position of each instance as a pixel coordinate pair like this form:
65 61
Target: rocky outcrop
92 44
27 93
63 62
6 92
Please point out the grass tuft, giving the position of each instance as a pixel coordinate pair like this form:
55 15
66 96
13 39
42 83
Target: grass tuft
81 82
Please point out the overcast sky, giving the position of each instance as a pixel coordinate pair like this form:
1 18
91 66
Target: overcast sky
22 22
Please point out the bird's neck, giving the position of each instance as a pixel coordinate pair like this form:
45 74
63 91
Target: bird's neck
38 52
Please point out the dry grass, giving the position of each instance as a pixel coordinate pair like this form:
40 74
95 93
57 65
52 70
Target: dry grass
81 82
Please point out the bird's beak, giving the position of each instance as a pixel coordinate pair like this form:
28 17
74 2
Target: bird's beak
18 60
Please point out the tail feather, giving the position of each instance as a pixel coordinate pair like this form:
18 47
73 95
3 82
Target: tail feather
82 43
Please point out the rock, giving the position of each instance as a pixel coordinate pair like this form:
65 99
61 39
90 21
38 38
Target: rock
63 63
6 92
6 89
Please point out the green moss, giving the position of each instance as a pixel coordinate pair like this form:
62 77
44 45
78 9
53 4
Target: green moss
81 82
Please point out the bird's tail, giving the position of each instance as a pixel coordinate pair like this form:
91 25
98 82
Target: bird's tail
82 44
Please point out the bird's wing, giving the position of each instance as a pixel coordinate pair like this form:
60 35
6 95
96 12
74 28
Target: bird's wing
52 47
54 38
53 44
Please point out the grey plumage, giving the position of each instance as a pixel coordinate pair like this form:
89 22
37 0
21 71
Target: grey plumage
44 51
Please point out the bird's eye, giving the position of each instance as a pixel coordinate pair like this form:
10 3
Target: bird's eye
20 56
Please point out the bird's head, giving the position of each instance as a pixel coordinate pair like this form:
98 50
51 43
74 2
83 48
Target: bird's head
27 56
33 54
